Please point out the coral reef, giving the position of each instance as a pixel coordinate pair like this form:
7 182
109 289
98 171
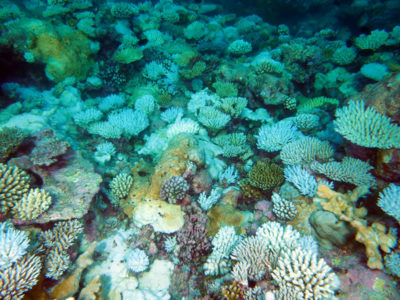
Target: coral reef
199 149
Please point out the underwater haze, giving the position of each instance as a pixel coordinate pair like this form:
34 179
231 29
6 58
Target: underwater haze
198 150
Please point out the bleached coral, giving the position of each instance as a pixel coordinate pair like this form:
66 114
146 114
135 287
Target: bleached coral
155 145
366 127
145 104
137 260
130 122
389 201
182 126
350 170
229 176
302 180
87 116
104 152
171 114
13 245
305 150
305 275
273 137
206 202
223 243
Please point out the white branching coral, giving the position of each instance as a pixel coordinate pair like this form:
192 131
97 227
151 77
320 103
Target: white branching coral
223 242
305 275
13 245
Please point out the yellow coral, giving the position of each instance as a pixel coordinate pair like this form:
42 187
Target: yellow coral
14 183
33 204
373 237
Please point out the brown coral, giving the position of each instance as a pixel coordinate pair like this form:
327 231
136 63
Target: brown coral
14 183
10 139
266 175
32 204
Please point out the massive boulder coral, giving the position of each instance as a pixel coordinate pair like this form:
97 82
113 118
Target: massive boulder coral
65 51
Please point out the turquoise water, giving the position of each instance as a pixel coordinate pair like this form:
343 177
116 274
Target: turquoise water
199 149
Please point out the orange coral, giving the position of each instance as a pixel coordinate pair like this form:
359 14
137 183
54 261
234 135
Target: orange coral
373 237
342 205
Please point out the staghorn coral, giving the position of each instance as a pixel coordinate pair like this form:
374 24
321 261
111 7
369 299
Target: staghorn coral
13 245
10 139
16 280
14 183
32 204
305 275
254 253
266 176
120 185
56 264
56 242
283 209
174 189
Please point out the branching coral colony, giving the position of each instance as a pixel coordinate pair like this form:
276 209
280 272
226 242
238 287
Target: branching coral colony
177 150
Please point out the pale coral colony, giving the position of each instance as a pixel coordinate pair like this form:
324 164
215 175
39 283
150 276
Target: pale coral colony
206 149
